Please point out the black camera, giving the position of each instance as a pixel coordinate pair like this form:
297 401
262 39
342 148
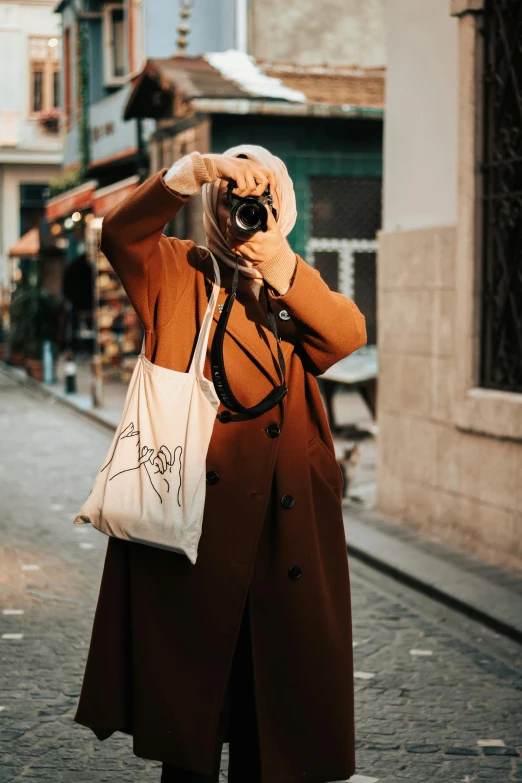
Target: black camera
250 214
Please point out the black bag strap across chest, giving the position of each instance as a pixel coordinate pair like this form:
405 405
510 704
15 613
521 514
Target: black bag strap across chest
219 376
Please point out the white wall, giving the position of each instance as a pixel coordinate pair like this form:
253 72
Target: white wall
13 177
36 155
420 139
18 21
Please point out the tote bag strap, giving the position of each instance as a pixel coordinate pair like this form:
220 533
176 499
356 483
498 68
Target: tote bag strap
198 361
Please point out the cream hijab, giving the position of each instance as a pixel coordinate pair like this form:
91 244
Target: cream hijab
286 216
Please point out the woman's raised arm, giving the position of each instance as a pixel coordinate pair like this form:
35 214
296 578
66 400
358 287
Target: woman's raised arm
331 324
132 233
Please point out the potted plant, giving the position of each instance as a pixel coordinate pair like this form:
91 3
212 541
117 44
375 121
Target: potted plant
35 317
49 120
15 341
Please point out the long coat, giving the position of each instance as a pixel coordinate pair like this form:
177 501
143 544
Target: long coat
164 631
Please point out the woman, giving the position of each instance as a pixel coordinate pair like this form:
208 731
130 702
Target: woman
253 643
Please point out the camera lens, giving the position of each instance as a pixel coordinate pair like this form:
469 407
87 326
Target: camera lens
249 215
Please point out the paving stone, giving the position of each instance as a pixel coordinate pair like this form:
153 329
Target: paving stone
491 743
415 719
506 751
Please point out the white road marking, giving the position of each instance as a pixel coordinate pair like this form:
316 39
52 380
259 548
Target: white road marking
12 636
12 611
85 545
362 779
421 652
491 743
361 641
30 567
363 675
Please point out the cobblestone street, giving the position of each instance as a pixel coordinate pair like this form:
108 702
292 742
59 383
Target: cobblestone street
438 697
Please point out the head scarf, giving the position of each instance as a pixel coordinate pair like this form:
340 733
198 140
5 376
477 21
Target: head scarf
286 215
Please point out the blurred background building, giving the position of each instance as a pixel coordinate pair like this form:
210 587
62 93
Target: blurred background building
137 93
427 243
30 142
450 279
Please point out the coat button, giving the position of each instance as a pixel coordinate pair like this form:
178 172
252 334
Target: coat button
224 417
212 477
287 501
294 572
273 431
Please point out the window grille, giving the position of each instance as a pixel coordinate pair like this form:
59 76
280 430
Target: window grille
345 218
501 322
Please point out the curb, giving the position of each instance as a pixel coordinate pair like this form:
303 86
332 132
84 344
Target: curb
480 599
496 607
49 393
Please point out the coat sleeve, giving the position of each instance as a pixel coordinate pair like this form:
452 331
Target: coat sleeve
330 324
132 239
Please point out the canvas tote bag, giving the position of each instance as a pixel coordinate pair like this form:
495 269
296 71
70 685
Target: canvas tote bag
151 487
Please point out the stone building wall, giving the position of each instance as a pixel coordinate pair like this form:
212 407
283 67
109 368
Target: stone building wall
450 452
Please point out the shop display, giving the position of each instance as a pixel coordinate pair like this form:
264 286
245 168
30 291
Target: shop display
119 329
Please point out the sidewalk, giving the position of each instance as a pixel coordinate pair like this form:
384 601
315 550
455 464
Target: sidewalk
488 593
113 391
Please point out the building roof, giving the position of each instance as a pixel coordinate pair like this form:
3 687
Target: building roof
237 83
333 85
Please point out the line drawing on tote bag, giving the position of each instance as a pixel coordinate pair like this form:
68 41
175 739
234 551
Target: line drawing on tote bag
165 429
162 462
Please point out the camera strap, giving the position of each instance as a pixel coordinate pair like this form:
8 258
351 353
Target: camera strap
219 377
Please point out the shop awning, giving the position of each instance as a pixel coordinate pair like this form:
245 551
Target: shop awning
74 200
106 198
28 245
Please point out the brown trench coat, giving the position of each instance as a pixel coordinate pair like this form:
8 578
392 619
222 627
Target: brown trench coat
164 630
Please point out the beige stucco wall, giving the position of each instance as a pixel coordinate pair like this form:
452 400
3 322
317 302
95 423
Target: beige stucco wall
333 32
420 133
445 465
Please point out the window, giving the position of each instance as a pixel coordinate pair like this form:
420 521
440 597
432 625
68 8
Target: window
32 204
44 74
67 74
56 88
501 334
344 219
114 44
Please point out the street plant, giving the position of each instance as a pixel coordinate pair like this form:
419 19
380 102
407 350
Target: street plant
35 316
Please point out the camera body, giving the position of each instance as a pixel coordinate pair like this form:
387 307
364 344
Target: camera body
250 214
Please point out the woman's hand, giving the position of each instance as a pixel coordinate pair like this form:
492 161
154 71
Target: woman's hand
251 178
260 246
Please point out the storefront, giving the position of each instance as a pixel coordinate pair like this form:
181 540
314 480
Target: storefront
102 318
119 331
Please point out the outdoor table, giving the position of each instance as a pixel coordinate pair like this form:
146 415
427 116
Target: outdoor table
356 371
